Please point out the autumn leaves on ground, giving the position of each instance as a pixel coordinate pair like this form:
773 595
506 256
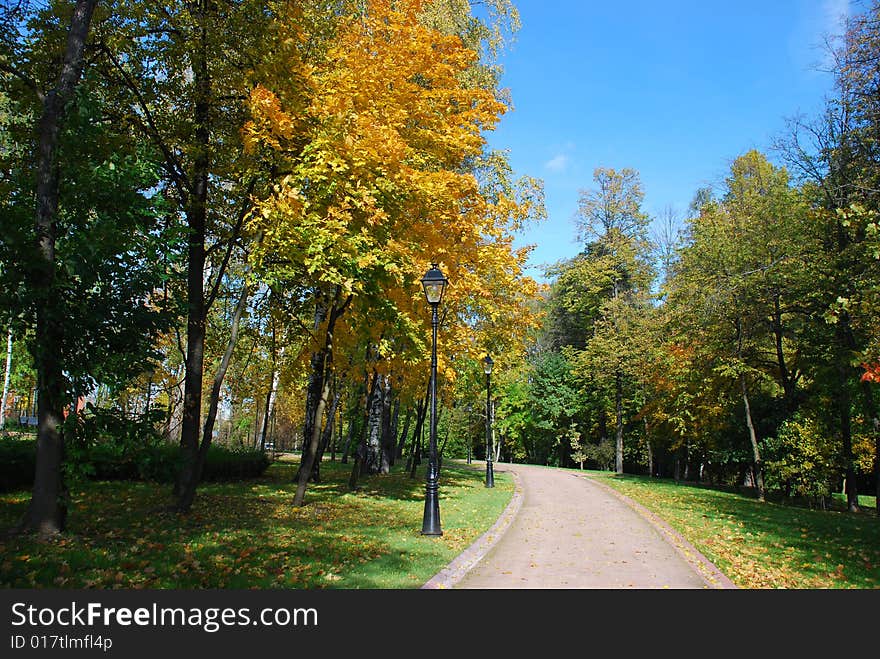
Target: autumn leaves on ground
249 535
215 218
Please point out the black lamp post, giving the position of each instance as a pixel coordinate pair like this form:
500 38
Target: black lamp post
490 474
434 284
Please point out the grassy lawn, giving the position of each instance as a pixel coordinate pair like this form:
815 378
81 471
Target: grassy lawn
765 545
249 535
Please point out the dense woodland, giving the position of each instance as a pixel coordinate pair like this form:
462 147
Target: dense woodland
216 215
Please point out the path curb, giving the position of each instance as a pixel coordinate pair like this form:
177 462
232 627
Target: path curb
461 565
713 577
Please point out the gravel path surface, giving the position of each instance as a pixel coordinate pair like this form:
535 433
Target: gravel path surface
565 530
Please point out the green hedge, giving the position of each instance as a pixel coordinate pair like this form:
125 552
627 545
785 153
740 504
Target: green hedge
16 463
106 461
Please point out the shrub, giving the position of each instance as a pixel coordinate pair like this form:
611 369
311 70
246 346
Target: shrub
108 461
801 460
17 463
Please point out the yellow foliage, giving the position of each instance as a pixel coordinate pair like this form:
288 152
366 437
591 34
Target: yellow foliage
380 188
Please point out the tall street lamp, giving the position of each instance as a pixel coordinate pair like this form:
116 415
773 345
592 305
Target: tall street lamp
490 474
434 284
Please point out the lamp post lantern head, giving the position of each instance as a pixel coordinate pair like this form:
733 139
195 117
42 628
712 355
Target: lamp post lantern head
487 364
434 284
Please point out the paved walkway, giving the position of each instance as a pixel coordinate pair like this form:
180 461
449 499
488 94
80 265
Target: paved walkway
565 530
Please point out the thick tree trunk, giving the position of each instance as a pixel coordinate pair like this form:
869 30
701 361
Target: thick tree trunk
196 218
47 511
188 492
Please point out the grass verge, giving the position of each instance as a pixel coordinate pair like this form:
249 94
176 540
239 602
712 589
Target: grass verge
249 535
764 545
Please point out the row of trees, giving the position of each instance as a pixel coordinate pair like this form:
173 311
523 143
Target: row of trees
742 345
222 210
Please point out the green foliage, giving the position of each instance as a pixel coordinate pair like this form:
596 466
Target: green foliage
115 251
801 460
533 415
601 454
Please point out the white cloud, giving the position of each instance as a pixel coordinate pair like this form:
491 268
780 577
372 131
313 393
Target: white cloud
558 163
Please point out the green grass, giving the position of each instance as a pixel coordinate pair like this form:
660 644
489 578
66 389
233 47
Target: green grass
249 535
765 545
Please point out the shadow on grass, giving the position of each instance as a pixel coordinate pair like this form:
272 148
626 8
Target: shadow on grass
239 535
801 546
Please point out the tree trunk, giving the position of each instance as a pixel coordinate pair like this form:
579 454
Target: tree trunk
374 425
756 452
346 449
414 452
310 449
394 420
361 454
326 437
188 492
315 386
270 395
618 393
47 510
196 218
416 448
787 380
387 438
874 419
6 377
401 443
844 404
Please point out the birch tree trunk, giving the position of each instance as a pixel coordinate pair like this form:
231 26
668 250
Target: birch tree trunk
618 431
6 377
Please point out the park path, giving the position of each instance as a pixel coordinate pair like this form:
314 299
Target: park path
565 530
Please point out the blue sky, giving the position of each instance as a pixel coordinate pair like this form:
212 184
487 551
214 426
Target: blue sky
674 89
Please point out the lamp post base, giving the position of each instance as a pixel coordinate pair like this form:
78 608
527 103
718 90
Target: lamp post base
431 520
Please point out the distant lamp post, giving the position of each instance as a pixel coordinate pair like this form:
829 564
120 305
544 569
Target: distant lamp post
434 284
490 474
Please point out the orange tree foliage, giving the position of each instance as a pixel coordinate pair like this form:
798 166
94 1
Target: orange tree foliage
381 180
